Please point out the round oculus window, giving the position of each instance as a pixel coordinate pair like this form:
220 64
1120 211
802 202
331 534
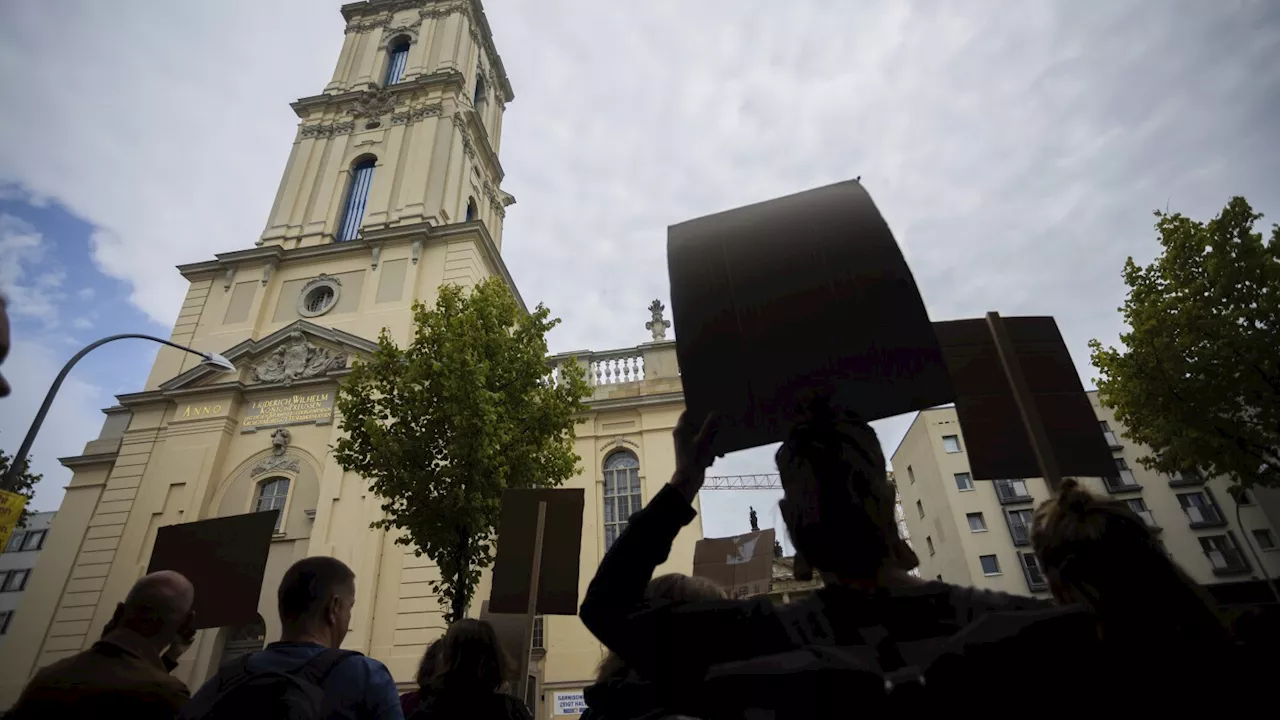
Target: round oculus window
318 297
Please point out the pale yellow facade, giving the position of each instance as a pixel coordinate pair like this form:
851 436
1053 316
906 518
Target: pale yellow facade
951 541
293 312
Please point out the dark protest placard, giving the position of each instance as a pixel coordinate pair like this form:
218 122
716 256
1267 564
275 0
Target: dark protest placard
805 292
998 444
561 550
224 558
742 565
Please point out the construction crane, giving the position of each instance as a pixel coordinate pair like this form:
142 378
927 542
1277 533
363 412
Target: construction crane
769 481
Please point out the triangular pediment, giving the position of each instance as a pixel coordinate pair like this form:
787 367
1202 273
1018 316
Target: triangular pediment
300 350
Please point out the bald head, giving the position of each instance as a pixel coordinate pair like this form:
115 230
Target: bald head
157 606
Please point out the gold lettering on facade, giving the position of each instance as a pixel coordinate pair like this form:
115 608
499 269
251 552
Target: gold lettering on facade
289 410
199 411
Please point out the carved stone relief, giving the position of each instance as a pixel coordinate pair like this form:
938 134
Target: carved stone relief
372 105
275 463
296 360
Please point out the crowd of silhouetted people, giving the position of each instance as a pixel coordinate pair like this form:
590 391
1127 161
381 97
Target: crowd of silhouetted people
1127 628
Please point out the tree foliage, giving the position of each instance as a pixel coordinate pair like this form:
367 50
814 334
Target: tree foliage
26 484
1198 379
441 427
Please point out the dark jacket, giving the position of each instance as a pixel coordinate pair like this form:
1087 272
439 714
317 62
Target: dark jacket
453 706
627 698
121 676
673 644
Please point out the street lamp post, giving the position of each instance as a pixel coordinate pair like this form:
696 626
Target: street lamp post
211 359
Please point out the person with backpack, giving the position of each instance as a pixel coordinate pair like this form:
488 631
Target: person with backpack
619 691
866 640
470 672
304 676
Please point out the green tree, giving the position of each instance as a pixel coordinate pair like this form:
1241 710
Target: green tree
26 486
1198 379
441 427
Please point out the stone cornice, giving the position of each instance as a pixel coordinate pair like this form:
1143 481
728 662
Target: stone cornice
235 387
478 131
303 106
474 10
75 462
669 398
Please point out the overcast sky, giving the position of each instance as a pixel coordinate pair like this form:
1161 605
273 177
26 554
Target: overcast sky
1017 149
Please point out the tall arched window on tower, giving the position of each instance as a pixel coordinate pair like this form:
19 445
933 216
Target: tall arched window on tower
472 210
621 492
357 199
482 92
272 494
397 58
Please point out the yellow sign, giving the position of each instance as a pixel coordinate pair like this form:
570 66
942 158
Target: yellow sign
289 410
11 505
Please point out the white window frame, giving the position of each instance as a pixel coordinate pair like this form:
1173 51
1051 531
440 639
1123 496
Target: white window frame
947 449
982 521
282 507
968 481
612 469
996 559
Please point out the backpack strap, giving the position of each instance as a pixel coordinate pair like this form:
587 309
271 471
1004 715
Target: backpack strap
318 667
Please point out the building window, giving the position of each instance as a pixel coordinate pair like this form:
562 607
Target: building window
318 296
1020 526
1265 540
272 494
398 57
1012 491
977 523
1223 554
964 482
14 580
920 508
1139 508
472 211
357 199
1126 477
538 642
621 493
1036 579
248 638
1244 498
482 93
911 475
929 541
1199 510
990 564
1112 440
21 541
5 618
951 443
15 541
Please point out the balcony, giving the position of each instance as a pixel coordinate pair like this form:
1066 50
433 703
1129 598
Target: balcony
1204 516
1186 478
1113 442
1012 492
1021 533
1227 561
1125 483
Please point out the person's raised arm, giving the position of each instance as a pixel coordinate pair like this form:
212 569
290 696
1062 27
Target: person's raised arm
660 639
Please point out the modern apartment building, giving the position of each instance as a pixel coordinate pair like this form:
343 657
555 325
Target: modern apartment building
17 562
978 533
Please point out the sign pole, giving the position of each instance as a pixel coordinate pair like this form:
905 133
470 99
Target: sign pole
532 609
1031 421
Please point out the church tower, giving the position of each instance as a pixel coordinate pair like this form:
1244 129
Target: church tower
392 189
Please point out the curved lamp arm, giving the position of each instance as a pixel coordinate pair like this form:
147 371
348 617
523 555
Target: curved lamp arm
11 477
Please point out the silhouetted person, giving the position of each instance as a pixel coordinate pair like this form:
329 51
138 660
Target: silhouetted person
1100 554
470 672
621 692
838 506
305 674
126 673
426 670
4 342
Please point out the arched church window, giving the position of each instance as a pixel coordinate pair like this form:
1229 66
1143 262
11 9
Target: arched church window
397 58
621 493
248 638
272 494
472 211
482 93
357 199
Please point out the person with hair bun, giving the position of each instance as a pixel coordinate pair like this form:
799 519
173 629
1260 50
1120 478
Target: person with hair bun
1101 555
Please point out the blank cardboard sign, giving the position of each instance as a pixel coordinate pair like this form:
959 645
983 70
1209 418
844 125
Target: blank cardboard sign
224 558
742 565
802 293
561 548
996 440
511 629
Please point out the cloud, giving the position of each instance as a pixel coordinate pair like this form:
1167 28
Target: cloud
22 250
1016 149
